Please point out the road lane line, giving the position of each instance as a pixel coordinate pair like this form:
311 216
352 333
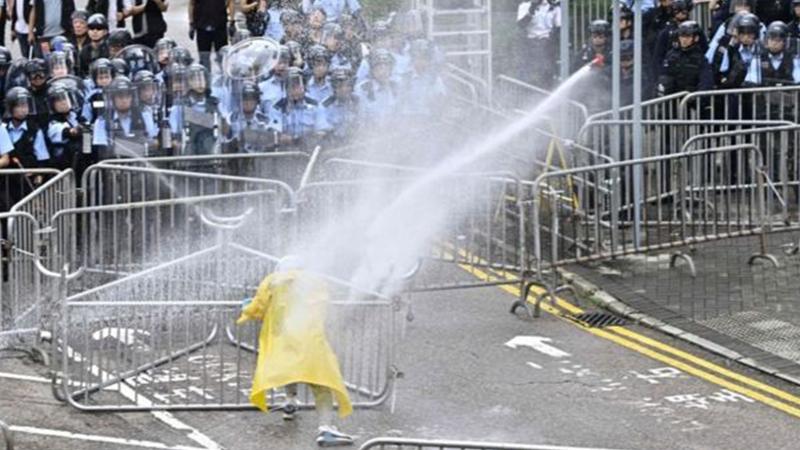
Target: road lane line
97 438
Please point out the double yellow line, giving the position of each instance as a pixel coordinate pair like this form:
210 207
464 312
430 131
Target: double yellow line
686 362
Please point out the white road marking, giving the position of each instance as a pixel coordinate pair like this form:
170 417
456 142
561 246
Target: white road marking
538 343
534 365
97 438
14 376
127 391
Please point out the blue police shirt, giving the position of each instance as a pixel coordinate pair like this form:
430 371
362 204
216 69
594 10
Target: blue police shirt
10 134
100 129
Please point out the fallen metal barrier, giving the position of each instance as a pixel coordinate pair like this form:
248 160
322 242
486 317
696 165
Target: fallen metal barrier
164 338
424 444
650 204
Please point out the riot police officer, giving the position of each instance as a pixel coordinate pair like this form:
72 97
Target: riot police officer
302 120
668 37
319 60
247 129
424 89
22 132
102 73
63 131
274 88
777 64
36 70
117 40
199 113
685 68
123 130
341 109
598 45
736 61
379 93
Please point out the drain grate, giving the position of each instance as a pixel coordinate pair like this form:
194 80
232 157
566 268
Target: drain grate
600 319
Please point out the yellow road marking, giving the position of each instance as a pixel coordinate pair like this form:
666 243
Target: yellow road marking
656 350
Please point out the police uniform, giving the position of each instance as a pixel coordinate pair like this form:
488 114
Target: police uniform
200 139
258 121
421 92
64 148
378 101
301 119
272 91
777 69
686 70
333 8
24 142
342 117
134 126
319 91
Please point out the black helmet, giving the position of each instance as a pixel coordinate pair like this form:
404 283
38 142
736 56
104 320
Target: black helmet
318 53
178 74
97 22
59 59
16 96
180 55
144 77
101 65
625 13
777 30
165 43
5 58
250 91
121 85
120 38
689 28
56 93
36 66
120 66
138 57
341 75
600 26
79 14
380 56
747 24
294 77
682 5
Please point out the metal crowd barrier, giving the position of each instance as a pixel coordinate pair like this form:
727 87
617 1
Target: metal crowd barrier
281 166
484 234
8 435
650 204
115 240
15 184
424 444
164 338
763 103
661 108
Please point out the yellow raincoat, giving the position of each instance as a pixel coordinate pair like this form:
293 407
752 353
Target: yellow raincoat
292 343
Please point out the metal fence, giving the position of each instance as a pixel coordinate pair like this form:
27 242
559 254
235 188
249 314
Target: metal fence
424 444
655 203
164 338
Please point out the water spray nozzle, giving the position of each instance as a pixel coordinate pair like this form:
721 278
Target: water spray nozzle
598 62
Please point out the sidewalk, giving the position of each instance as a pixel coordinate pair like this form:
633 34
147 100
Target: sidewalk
752 310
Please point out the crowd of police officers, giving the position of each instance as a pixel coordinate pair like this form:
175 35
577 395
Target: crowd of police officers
97 96
749 43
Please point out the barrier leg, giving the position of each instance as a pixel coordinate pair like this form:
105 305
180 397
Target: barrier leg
522 301
8 435
765 256
673 260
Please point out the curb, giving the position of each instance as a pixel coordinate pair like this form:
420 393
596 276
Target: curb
602 298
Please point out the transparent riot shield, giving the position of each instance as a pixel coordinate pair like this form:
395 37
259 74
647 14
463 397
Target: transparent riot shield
138 57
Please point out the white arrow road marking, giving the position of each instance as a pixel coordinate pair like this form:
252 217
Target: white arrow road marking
537 343
125 335
534 365
95 438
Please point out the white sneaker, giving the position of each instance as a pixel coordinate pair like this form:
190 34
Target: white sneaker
331 437
289 408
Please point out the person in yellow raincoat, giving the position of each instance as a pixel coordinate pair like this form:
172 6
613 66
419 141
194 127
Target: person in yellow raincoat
293 347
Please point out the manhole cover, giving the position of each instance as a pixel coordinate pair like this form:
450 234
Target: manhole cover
600 319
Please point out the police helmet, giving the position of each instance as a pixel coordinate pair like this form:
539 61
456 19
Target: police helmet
294 77
682 6
120 66
689 28
380 56
58 92
197 76
101 66
318 53
332 30
36 67
777 30
59 60
250 91
121 85
178 74
97 22
5 58
16 96
747 24
600 26
165 43
285 53
120 38
341 75
180 55
143 77
57 43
